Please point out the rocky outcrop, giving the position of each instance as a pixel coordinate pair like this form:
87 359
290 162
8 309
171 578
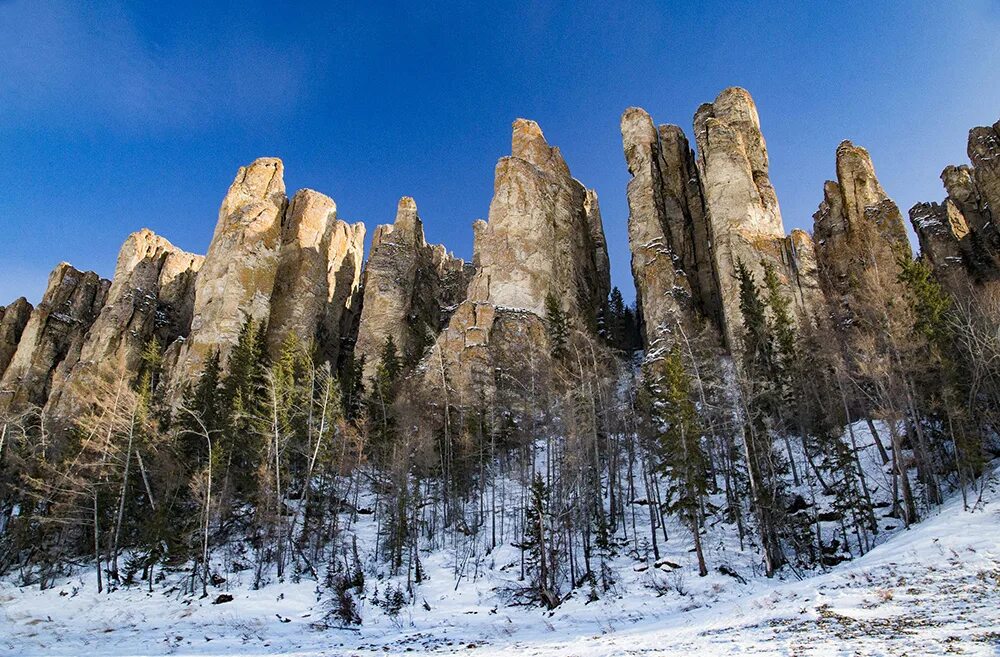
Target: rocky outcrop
410 289
856 226
959 237
743 215
943 236
13 319
151 296
237 277
53 335
668 234
984 154
543 237
318 277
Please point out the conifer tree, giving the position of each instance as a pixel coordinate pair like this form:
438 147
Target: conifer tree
678 440
556 326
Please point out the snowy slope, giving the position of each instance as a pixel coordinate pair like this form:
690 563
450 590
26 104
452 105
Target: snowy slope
934 589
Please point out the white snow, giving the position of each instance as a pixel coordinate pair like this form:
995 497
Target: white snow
933 589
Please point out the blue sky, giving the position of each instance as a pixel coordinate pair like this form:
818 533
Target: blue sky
124 116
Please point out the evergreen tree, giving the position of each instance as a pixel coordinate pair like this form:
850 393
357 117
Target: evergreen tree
678 439
556 326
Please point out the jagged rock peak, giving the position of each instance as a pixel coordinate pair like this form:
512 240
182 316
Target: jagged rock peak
318 276
529 144
151 296
960 237
237 276
856 225
540 238
668 232
53 335
410 289
734 162
13 319
406 228
261 182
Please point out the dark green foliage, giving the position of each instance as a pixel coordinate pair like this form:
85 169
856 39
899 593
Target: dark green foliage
556 326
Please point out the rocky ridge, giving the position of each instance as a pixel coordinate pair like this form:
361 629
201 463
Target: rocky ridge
294 266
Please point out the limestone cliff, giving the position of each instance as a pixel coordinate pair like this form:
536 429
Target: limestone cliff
692 221
671 261
857 225
151 296
318 276
410 289
544 235
53 335
743 215
237 277
959 237
13 319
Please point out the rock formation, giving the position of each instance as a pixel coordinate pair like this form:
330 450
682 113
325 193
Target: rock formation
318 276
410 289
959 237
691 222
744 219
856 225
237 277
544 237
151 296
54 334
13 319
671 260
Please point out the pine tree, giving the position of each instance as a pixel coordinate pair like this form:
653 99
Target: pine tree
679 445
763 464
556 326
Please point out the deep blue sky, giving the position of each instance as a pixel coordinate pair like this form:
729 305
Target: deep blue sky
116 118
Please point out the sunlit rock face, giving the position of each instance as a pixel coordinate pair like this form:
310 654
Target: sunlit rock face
410 289
693 220
151 296
544 237
856 227
318 279
237 277
959 237
53 335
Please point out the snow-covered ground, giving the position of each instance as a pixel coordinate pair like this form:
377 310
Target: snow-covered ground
933 589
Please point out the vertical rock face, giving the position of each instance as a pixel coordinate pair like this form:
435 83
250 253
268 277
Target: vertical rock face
671 262
743 216
318 276
151 296
943 233
984 153
13 319
237 277
543 235
960 237
857 224
53 334
410 287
